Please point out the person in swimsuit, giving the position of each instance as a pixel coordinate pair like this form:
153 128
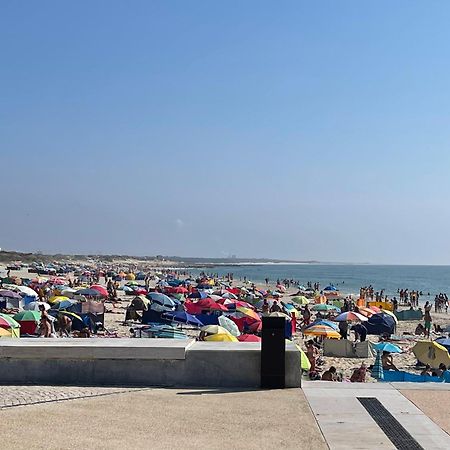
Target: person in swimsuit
46 326
428 319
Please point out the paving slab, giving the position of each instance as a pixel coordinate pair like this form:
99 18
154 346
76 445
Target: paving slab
433 403
343 419
167 419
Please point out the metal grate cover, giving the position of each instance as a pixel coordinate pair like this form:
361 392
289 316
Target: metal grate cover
391 427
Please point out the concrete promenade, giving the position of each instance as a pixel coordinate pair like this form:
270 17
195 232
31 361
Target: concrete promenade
157 419
319 416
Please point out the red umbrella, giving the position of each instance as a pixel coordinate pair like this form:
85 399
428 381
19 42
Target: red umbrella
248 338
100 289
140 291
209 303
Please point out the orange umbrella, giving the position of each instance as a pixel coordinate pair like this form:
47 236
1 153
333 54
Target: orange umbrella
366 311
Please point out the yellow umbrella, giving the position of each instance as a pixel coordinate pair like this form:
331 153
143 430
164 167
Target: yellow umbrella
322 330
301 300
248 312
221 337
57 299
304 361
214 329
431 353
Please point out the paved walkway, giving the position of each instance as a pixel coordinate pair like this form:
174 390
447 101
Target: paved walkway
343 420
108 418
30 395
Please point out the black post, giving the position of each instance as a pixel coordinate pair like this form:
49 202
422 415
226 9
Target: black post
273 349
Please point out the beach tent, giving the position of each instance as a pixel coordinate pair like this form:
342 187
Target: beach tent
221 338
431 353
248 338
344 348
379 324
28 320
9 332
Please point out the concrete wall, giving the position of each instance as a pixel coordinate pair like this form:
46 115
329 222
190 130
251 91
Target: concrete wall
145 362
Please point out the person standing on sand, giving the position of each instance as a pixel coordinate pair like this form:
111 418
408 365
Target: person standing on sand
46 326
428 319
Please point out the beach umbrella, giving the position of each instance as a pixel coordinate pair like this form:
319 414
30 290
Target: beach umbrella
377 369
322 330
182 317
214 329
350 316
57 298
34 306
445 342
304 361
300 300
331 288
9 294
161 299
67 313
366 311
248 338
100 289
208 303
431 353
387 347
8 322
160 308
24 316
325 307
230 295
198 294
221 338
375 308
229 325
24 290
248 312
327 323
88 292
390 313
279 314
64 304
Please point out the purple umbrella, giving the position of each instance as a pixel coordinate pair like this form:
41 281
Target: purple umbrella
9 294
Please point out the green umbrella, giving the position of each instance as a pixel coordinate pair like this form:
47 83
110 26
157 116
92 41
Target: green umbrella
32 316
8 322
301 300
325 307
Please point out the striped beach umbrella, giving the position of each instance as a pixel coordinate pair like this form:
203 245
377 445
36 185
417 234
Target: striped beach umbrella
322 330
377 370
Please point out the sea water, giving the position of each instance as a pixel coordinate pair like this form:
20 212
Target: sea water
348 278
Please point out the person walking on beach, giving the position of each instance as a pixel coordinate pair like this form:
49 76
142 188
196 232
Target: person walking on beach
46 326
428 319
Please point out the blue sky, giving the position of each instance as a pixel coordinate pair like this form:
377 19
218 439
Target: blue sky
294 129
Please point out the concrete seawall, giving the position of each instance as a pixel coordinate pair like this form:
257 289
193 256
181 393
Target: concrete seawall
144 362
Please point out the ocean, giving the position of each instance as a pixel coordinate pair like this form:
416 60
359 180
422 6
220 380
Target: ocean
349 278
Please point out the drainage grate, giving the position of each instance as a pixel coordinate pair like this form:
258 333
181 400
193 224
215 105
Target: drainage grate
389 424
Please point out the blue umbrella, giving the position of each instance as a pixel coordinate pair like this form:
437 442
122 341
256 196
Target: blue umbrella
161 299
444 342
198 294
330 288
183 317
387 347
64 304
327 323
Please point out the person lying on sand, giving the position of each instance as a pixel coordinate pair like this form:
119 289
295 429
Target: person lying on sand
330 374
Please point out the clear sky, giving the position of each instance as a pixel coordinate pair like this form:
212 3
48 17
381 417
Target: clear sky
292 129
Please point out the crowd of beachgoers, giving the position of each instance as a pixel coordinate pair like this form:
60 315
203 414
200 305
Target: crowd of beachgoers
105 300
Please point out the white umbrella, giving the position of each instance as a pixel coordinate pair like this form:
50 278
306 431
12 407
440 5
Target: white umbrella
229 325
34 306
